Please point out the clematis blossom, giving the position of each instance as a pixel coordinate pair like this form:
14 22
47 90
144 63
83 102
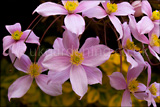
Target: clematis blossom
138 30
33 70
118 82
111 10
73 21
15 41
68 61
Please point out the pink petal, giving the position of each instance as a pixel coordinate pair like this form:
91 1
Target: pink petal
53 89
49 8
140 95
145 25
126 34
96 55
154 53
146 8
126 99
7 43
59 76
85 5
70 41
117 24
19 48
141 87
104 4
94 75
122 7
56 63
134 30
79 80
157 85
12 28
21 64
155 30
32 37
75 23
58 43
117 81
90 42
156 48
131 60
96 12
149 74
19 87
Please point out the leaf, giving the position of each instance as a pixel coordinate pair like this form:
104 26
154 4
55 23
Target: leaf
115 101
92 96
68 99
103 99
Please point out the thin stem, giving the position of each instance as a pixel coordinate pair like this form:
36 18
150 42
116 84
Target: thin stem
43 37
119 46
33 22
105 39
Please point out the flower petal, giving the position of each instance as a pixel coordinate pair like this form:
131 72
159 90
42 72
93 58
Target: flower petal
70 41
79 80
153 53
122 7
90 42
56 63
146 8
32 37
134 30
149 74
53 89
58 43
145 25
49 8
21 64
97 12
19 48
19 87
96 55
126 99
7 43
75 23
117 81
94 75
117 24
85 5
12 28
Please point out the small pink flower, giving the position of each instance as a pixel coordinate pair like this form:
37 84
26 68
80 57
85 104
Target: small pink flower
15 41
118 82
111 10
34 70
73 21
68 61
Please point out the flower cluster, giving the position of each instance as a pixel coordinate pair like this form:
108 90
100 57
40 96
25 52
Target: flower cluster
79 63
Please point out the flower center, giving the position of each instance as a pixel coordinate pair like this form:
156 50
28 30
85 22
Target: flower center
76 57
131 46
153 89
154 40
17 35
155 15
71 6
111 8
133 85
34 70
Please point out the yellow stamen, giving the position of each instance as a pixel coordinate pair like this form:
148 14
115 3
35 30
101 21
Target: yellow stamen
34 70
154 40
17 35
155 15
71 6
76 57
111 8
133 85
131 46
153 89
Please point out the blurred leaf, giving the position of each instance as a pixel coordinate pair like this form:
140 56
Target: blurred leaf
92 96
103 99
68 99
57 101
44 99
115 100
66 87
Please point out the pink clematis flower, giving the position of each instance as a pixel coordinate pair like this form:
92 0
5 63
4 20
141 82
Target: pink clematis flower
111 10
33 70
73 21
147 9
15 41
118 82
68 61
138 30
